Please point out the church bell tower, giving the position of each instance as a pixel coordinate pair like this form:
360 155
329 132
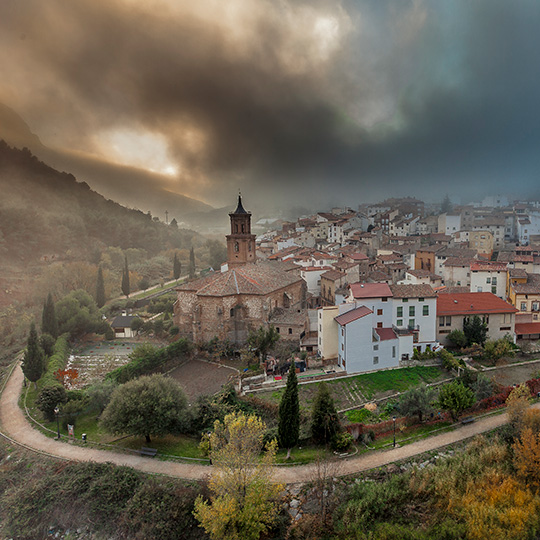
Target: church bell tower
240 243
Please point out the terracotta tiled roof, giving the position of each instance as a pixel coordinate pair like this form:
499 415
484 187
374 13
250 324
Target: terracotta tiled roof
430 249
472 304
251 279
386 333
526 288
458 261
358 257
333 275
517 272
527 328
488 266
370 290
352 315
413 291
424 274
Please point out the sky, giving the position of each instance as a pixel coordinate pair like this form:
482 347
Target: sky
317 102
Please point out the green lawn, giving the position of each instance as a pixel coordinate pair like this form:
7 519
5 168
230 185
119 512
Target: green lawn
359 389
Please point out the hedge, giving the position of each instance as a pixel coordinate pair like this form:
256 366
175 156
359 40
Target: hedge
142 365
56 361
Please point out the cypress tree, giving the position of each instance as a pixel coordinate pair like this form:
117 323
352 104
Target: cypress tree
125 278
33 361
177 267
324 418
100 289
49 323
289 413
191 263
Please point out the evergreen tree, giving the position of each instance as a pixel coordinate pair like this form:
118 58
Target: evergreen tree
33 361
177 267
289 413
191 269
100 289
125 278
174 223
446 205
324 418
49 323
475 330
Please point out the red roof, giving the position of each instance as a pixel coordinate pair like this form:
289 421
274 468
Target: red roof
352 315
488 266
527 328
358 257
386 333
370 290
472 304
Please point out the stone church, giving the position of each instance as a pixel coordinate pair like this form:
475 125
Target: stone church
245 295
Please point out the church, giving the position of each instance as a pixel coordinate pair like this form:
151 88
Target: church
245 295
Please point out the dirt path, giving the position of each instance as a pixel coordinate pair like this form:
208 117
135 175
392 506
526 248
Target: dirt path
15 426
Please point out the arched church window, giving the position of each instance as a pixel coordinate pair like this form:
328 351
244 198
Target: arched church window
236 227
243 228
236 247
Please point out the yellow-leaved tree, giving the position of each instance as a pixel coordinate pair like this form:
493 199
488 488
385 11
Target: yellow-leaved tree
244 499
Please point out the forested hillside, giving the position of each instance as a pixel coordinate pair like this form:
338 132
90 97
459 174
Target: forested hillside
44 212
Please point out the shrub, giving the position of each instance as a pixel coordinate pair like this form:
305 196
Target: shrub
48 398
342 441
457 338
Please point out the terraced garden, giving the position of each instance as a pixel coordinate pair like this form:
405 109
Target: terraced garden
357 390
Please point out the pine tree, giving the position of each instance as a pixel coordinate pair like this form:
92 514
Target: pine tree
49 323
177 267
324 419
100 289
125 278
33 361
191 263
289 413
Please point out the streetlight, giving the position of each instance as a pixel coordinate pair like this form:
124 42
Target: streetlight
56 413
394 419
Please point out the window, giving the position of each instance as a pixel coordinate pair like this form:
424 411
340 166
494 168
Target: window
375 360
379 325
232 312
535 306
488 280
411 311
494 280
523 306
384 299
400 311
236 247
394 351
420 299
441 321
411 323
399 322
478 289
494 289
425 310
376 347
290 331
448 321
277 330
379 312
405 299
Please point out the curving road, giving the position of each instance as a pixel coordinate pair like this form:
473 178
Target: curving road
15 426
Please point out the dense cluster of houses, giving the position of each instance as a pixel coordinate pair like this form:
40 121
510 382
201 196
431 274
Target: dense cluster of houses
395 276
364 288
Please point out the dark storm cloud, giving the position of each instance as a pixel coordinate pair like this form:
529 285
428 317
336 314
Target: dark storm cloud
406 97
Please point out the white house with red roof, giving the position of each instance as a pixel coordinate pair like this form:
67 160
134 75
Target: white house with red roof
454 308
378 326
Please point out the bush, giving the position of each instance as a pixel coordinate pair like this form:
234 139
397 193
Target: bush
147 359
56 361
49 398
342 441
457 338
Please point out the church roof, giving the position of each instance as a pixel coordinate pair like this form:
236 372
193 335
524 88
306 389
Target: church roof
240 209
259 278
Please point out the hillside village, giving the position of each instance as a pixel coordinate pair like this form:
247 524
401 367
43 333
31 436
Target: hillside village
397 276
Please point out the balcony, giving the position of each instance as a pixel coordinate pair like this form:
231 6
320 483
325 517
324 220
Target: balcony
406 331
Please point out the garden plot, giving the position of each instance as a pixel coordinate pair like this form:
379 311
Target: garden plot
95 361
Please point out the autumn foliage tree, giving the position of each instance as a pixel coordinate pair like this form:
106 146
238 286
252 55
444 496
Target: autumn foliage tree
243 502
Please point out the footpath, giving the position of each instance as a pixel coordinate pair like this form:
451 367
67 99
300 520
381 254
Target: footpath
15 427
